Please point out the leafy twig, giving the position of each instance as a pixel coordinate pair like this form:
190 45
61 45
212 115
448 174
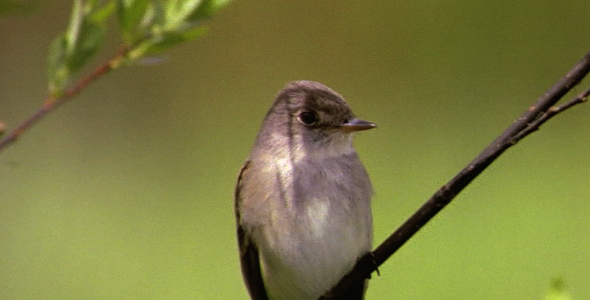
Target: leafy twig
147 27
52 102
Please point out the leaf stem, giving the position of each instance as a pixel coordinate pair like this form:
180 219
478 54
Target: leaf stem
52 102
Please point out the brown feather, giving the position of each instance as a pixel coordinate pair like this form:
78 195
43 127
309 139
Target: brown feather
249 258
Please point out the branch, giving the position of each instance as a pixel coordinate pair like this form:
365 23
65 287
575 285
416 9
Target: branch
52 102
540 112
143 32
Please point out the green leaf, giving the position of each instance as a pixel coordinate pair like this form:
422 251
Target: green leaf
207 9
58 72
132 14
88 42
188 13
84 36
73 31
163 42
178 12
162 24
90 34
102 14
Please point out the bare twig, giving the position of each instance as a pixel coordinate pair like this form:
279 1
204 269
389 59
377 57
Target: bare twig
540 112
51 102
552 111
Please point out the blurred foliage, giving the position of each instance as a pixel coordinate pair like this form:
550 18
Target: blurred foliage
148 27
557 290
84 36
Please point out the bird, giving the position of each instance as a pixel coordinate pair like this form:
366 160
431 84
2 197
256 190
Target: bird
303 198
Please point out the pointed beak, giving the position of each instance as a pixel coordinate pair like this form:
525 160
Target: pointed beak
356 125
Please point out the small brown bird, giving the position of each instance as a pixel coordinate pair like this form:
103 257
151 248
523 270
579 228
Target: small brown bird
303 198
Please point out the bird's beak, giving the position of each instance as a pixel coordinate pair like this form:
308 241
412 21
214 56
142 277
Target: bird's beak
356 125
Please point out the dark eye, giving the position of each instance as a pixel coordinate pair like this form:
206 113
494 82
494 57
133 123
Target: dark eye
308 117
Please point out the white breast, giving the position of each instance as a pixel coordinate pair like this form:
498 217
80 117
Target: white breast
319 224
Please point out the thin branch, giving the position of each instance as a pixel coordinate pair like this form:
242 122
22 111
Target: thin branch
540 112
552 111
52 102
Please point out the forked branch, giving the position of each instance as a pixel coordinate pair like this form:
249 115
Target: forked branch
537 114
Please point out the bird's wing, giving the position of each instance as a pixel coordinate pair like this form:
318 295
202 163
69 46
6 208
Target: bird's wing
354 292
249 259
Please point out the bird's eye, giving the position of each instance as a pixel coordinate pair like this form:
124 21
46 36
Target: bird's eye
308 117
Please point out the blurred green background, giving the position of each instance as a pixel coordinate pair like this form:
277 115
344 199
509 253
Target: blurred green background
126 192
